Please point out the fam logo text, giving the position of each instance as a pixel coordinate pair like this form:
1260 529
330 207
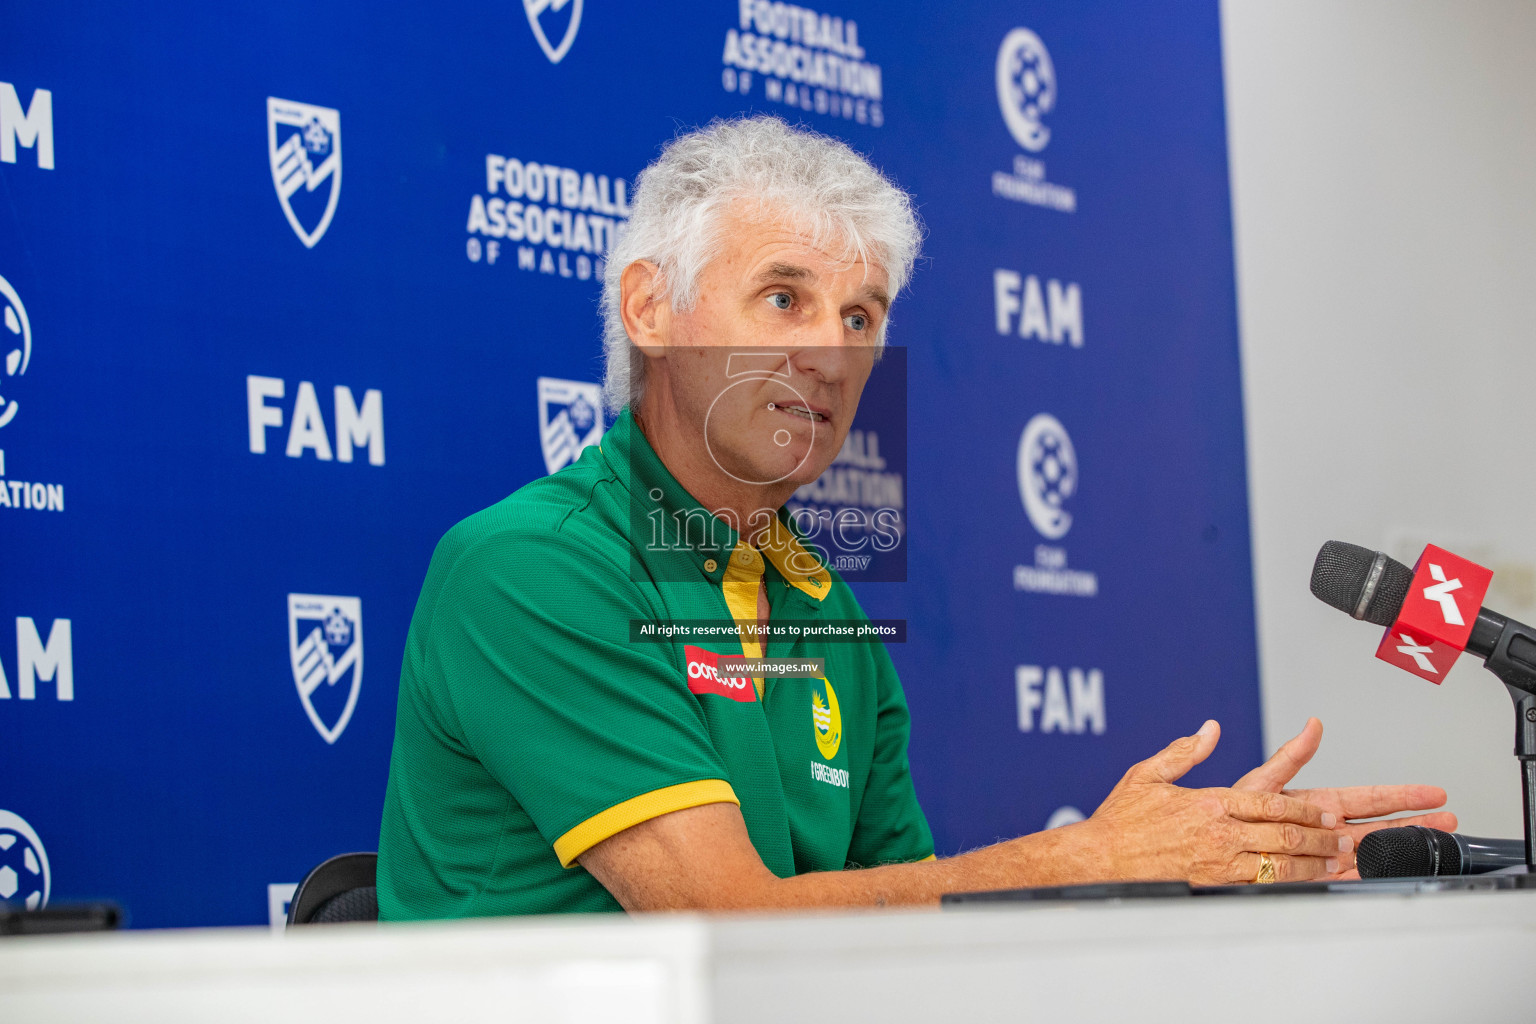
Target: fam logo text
38 661
29 127
357 426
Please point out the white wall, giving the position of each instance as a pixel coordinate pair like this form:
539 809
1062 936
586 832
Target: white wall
1384 190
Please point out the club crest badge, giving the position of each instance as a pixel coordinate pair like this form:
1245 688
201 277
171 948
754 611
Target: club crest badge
570 418
325 648
535 9
304 148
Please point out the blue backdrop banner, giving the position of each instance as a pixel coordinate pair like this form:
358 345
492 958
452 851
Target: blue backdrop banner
290 288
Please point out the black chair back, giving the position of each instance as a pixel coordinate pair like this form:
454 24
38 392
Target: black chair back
341 889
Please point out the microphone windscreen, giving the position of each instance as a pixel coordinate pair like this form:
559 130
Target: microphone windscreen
1410 851
1339 576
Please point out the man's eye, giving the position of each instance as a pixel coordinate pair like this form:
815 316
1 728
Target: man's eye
781 300
856 322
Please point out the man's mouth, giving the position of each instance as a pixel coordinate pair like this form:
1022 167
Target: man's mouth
804 413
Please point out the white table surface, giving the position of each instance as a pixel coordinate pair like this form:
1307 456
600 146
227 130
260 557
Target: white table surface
1295 959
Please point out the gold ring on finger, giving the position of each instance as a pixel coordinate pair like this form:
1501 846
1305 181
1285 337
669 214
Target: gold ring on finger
1266 870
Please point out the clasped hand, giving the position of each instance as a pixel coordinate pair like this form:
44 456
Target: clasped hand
1154 829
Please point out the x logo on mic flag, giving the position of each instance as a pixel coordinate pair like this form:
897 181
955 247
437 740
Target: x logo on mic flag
1437 615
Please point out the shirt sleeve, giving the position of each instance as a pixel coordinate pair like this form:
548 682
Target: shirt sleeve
590 733
891 827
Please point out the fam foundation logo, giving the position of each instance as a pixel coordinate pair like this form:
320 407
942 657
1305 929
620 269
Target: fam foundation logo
1047 475
536 9
24 875
1026 93
16 343
304 149
325 649
17 338
803 59
570 419
563 221
1048 479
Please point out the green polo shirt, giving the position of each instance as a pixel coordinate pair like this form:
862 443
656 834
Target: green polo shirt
531 726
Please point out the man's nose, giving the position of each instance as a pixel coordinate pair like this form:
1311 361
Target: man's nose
826 350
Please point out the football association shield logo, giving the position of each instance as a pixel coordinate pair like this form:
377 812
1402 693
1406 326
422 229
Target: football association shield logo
570 418
535 10
304 148
325 648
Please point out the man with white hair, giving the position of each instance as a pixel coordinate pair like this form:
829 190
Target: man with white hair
551 755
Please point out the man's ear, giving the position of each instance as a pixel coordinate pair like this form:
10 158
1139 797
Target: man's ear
642 306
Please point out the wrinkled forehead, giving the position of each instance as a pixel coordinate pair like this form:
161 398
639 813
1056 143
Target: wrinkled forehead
753 236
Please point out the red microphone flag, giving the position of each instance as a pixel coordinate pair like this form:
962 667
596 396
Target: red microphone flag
1437 615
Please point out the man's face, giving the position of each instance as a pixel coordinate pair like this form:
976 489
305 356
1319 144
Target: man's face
767 368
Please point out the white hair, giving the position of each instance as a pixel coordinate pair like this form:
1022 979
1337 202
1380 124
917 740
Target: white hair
831 192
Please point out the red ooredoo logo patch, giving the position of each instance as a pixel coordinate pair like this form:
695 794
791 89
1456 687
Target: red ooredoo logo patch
704 675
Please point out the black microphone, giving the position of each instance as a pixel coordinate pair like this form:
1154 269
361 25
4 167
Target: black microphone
1413 851
1370 585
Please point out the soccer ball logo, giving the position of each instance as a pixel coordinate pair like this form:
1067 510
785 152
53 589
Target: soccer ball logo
317 140
1047 475
582 414
1026 87
16 336
338 630
24 876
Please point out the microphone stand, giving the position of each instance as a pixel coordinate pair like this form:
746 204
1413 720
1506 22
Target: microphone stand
1514 661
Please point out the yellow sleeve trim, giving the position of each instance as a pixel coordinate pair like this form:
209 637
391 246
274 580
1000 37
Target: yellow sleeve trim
931 856
641 808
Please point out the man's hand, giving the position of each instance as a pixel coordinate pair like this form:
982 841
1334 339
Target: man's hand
1148 828
1347 803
